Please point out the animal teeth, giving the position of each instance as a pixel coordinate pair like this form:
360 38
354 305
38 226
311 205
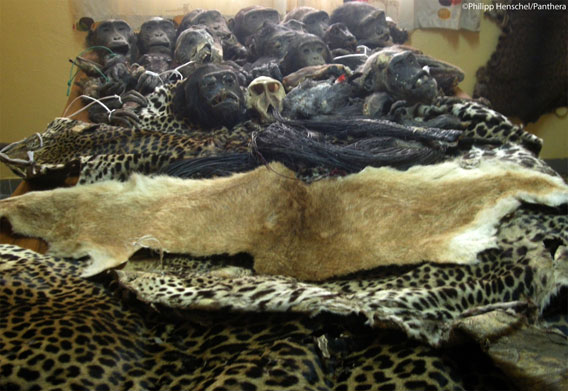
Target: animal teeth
421 80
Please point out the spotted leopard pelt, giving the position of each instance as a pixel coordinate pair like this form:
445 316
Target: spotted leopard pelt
61 332
480 124
390 328
158 114
96 152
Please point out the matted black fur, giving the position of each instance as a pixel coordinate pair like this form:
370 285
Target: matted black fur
212 166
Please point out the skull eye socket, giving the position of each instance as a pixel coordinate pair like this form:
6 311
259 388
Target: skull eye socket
257 89
273 87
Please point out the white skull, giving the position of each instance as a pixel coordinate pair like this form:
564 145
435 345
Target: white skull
264 92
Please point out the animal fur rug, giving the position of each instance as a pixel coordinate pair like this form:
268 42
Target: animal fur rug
442 214
96 328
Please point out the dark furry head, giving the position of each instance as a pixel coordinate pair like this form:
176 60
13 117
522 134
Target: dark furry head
211 97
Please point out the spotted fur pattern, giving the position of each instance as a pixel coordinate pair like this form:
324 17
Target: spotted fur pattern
480 123
158 113
509 153
96 152
61 332
144 326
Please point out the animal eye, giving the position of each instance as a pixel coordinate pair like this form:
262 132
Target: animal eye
273 87
319 49
257 89
229 80
306 51
209 81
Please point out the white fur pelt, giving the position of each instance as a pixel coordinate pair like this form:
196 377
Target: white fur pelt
380 216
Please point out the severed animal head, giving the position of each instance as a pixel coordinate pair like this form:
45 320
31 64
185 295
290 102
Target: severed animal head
338 36
306 50
198 45
398 72
367 23
316 21
264 93
115 34
271 41
157 35
210 97
250 19
219 29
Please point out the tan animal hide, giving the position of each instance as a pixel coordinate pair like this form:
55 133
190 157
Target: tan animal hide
440 213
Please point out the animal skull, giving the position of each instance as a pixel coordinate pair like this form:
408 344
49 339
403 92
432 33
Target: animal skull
264 92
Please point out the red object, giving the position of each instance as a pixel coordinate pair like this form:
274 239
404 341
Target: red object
340 79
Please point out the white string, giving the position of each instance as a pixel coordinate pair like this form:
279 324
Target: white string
176 71
153 74
30 161
364 48
94 100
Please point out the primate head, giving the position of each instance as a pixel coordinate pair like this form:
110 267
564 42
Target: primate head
271 40
338 36
115 34
315 21
398 72
198 45
157 35
306 50
210 97
250 19
219 29
367 23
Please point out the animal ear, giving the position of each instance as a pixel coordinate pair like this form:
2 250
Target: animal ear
92 34
84 24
